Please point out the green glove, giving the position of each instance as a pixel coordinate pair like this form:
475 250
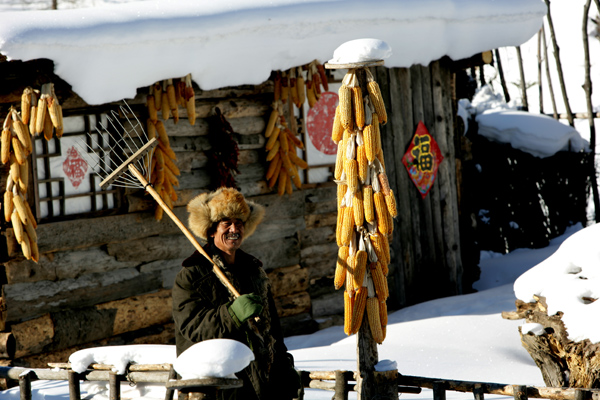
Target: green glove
245 307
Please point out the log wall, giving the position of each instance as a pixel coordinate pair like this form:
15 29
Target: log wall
106 280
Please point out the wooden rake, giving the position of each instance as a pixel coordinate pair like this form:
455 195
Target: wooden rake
133 150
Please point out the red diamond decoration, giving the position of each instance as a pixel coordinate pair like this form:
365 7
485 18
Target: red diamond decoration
422 159
75 167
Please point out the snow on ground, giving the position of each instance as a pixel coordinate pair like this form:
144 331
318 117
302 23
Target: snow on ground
107 52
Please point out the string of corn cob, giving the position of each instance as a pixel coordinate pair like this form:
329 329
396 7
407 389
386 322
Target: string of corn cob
45 113
163 168
16 147
366 205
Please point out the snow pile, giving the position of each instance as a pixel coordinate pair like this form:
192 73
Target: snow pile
570 281
361 50
120 356
106 53
217 358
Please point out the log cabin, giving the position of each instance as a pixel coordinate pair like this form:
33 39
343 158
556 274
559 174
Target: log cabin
106 263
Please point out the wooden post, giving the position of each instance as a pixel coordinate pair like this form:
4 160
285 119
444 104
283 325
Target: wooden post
114 386
439 390
74 389
25 384
523 83
539 57
478 392
341 386
547 65
519 392
170 391
501 73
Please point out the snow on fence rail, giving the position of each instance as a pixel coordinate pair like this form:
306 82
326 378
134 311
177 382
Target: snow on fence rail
340 382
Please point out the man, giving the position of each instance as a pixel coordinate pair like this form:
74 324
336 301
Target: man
204 309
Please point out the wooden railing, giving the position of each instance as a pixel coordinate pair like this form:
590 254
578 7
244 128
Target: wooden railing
339 382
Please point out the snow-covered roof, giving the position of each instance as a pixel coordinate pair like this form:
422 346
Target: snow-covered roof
107 52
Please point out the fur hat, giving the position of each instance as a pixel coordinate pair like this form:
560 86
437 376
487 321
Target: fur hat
207 209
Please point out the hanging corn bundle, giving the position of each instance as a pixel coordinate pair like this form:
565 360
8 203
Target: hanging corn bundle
45 113
281 143
16 146
366 204
167 97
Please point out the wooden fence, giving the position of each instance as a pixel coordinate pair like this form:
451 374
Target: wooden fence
339 382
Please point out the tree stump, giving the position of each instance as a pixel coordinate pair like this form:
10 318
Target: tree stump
563 363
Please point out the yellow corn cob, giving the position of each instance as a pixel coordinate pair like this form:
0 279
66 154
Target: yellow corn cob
170 195
283 177
379 281
26 246
283 138
271 124
157 91
386 253
35 252
345 105
291 170
272 139
383 315
60 129
32 118
358 207
363 163
24 176
5 143
368 206
164 106
311 95
274 150
169 174
350 275
337 132
359 308
381 213
340 267
368 138
285 87
374 320
54 112
390 201
171 165
385 184
377 100
272 166
30 230
8 205
376 133
300 87
293 139
26 104
380 250
162 134
17 226
339 161
40 116
151 128
30 216
151 104
166 195
359 106
158 213
23 135
18 150
348 307
166 149
359 268
390 225
15 171
347 226
341 192
160 166
276 172
351 169
297 160
48 128
172 101
288 185
191 110
339 226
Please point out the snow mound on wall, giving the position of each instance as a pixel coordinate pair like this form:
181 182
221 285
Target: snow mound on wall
106 53
217 358
120 356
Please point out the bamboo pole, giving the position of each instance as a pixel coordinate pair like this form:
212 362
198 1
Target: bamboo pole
548 77
561 78
588 94
539 67
523 83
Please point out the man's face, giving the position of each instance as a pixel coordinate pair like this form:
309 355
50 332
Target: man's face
229 234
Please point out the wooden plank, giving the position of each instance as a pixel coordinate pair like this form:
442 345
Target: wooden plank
320 220
29 300
277 253
243 126
288 280
314 236
293 304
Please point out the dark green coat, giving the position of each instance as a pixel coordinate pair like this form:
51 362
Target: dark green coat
200 312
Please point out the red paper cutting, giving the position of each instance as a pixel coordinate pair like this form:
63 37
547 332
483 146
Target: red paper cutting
75 167
422 159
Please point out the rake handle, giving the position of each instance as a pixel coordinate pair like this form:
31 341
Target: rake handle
183 228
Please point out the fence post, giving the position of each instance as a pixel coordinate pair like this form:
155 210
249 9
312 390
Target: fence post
114 386
439 390
341 386
25 385
74 389
519 392
170 392
478 391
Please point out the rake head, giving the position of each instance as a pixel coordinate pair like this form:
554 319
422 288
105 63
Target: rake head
128 145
